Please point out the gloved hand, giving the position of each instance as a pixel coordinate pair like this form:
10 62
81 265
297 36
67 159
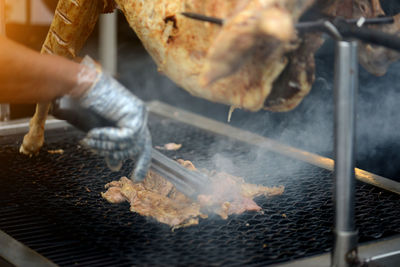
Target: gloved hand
130 138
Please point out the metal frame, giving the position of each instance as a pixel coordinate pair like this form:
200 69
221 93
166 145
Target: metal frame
21 126
20 255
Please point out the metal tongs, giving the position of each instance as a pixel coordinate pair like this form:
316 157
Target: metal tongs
338 28
190 183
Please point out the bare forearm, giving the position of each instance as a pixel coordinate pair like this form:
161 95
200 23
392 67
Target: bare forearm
28 77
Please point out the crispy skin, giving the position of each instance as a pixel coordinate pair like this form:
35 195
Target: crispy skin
180 45
157 198
295 82
262 30
256 36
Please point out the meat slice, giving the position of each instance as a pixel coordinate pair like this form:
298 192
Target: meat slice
157 198
151 198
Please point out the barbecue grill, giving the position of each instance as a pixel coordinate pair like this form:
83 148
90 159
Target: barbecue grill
52 212
52 203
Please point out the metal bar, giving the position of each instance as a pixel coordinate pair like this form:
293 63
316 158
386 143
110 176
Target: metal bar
378 253
224 129
312 25
345 91
22 126
108 42
20 255
4 108
204 18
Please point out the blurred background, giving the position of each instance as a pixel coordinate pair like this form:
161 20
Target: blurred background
309 126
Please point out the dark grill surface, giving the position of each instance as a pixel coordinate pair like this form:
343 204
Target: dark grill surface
52 204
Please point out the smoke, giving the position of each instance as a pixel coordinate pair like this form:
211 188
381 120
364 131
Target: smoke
308 127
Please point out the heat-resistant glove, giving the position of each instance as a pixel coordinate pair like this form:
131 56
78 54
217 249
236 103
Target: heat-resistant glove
130 138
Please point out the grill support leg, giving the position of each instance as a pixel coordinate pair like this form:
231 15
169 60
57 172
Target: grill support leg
345 90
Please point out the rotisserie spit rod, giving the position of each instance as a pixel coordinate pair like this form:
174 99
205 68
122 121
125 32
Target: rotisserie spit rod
190 183
336 27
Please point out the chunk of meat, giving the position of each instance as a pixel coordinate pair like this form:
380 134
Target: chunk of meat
295 82
180 45
262 30
157 198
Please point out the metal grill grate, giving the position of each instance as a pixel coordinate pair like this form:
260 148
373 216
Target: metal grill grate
52 203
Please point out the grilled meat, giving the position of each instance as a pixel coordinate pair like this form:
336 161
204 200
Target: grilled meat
157 198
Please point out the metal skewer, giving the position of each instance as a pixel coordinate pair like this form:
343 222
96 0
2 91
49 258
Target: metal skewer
204 18
190 183
337 28
299 25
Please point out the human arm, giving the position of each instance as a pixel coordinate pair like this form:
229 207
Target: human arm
29 77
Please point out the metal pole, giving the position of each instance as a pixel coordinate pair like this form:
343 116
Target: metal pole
4 108
345 90
108 42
